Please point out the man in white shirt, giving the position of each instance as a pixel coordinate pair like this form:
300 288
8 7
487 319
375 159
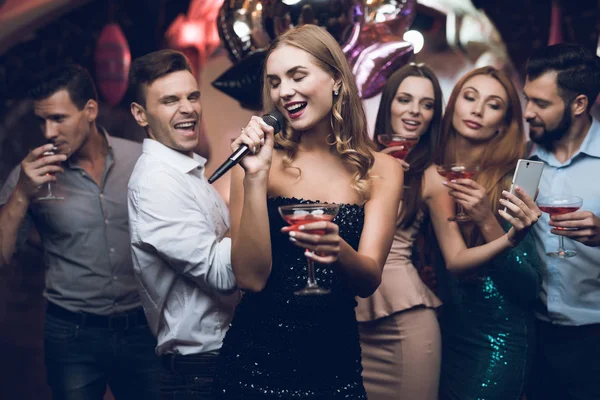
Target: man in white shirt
178 224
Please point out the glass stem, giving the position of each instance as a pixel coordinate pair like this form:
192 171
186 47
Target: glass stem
310 273
561 244
50 189
461 211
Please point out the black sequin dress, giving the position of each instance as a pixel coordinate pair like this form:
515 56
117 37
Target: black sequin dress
283 346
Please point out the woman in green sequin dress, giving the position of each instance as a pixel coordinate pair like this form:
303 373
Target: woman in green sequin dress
487 320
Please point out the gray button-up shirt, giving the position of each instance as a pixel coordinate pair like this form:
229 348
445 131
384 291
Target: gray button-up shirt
86 236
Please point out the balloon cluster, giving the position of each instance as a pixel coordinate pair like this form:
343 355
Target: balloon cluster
369 31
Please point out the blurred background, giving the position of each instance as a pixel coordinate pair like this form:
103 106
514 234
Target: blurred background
225 42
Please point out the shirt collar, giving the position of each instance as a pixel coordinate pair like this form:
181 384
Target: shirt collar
589 146
172 157
109 142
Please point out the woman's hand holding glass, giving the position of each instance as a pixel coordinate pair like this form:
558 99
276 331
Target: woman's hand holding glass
472 197
259 138
321 240
521 212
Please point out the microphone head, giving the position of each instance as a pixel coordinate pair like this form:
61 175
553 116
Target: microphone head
275 119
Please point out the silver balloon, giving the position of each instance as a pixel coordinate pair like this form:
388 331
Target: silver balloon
248 25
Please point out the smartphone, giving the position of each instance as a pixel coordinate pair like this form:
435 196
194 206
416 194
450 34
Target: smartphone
527 176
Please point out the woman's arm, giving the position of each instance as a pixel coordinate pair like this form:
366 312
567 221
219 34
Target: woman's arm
458 257
361 270
250 234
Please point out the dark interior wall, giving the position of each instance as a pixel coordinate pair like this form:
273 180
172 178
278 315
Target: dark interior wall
525 24
73 38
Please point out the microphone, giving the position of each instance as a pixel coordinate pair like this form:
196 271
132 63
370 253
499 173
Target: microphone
274 119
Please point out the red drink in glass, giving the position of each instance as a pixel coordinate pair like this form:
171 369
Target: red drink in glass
457 171
297 215
557 210
404 144
556 205
298 220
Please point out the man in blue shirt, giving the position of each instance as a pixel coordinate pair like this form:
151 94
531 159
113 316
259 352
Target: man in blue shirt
562 84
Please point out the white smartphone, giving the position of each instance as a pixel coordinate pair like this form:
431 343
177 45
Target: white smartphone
527 176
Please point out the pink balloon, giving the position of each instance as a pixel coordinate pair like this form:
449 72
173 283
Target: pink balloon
374 53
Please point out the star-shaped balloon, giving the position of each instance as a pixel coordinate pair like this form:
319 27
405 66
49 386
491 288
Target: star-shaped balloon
374 51
243 81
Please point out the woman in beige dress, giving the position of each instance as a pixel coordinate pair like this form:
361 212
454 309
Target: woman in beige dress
399 332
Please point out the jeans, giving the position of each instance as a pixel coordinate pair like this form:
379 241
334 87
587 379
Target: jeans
81 360
188 377
566 364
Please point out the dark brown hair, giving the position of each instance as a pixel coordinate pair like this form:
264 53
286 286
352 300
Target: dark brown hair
420 157
152 66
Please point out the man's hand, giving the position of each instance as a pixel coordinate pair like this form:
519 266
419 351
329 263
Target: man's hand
582 226
37 170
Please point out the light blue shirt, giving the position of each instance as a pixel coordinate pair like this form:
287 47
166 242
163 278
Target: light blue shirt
571 286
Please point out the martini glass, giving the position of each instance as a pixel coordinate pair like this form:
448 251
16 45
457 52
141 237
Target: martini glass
556 205
50 195
401 145
458 171
297 215
404 144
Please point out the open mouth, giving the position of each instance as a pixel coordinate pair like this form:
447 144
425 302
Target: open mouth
410 124
187 128
295 109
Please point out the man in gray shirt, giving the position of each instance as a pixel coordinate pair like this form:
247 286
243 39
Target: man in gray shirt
95 330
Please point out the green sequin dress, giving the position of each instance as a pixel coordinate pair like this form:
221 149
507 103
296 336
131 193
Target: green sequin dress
487 327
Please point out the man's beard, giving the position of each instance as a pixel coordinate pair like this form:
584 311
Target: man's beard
549 137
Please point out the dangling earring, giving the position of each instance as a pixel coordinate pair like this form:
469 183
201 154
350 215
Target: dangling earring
336 92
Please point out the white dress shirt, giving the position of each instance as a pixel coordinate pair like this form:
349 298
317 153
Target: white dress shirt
181 256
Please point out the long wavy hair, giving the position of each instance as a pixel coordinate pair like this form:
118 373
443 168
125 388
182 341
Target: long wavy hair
501 153
348 121
420 156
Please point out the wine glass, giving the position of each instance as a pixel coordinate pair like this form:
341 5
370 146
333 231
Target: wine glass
458 171
49 192
401 145
556 205
302 214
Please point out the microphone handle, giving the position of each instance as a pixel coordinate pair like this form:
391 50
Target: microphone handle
233 159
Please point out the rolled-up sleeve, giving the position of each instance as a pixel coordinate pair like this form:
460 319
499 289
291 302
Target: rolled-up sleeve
166 220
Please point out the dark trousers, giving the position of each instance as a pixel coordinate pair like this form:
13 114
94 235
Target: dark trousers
566 364
188 377
83 355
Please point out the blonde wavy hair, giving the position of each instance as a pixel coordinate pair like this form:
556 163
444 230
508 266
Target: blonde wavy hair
348 121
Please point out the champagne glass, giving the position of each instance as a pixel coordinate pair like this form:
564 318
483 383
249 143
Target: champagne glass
556 205
50 195
458 171
302 214
401 145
